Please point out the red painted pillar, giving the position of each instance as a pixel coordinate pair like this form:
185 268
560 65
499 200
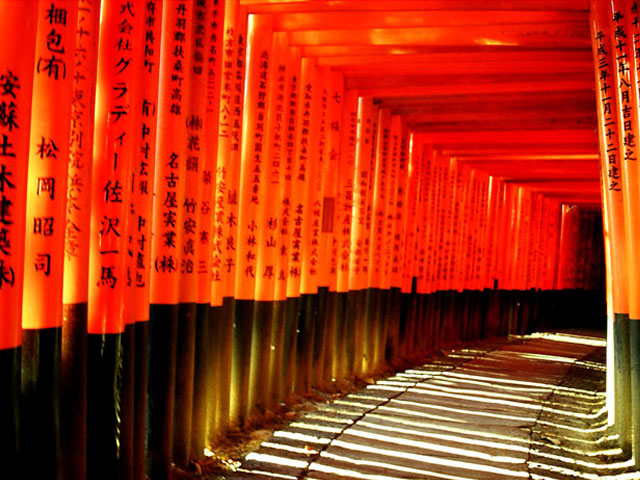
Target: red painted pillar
110 436
145 108
345 202
44 238
76 262
611 157
167 241
18 21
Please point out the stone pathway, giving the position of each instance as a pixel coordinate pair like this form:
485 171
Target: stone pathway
531 408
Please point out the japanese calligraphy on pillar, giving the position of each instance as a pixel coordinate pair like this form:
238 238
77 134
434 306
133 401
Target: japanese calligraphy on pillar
254 154
304 154
369 153
413 169
621 43
434 225
77 225
466 195
396 209
269 236
380 180
330 213
484 231
393 132
607 101
626 38
456 221
213 49
228 158
289 152
16 80
359 231
194 235
424 217
316 170
498 196
346 186
143 168
554 228
110 206
223 247
503 240
469 230
522 234
533 274
48 164
169 184
315 179
441 169
602 39
514 203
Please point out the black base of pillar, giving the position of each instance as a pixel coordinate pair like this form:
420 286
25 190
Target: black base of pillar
622 386
259 379
241 363
276 389
202 393
291 320
163 330
634 373
222 341
10 410
73 391
127 403
140 399
39 407
185 358
339 369
104 367
325 332
305 344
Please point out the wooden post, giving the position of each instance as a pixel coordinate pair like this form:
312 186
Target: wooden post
166 244
206 353
608 130
44 238
73 368
16 77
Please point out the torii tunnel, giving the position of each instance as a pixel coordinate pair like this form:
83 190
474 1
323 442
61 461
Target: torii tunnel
210 208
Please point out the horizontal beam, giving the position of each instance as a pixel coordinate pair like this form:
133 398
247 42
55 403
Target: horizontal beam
297 21
475 56
519 150
514 138
560 35
411 80
462 104
505 122
336 50
522 98
462 67
593 200
530 171
271 6
508 158
419 90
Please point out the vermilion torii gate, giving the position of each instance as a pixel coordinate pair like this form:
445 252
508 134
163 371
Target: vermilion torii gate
211 207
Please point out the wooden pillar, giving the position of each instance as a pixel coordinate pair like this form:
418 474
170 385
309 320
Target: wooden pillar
166 244
207 369
44 239
73 367
16 83
610 154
